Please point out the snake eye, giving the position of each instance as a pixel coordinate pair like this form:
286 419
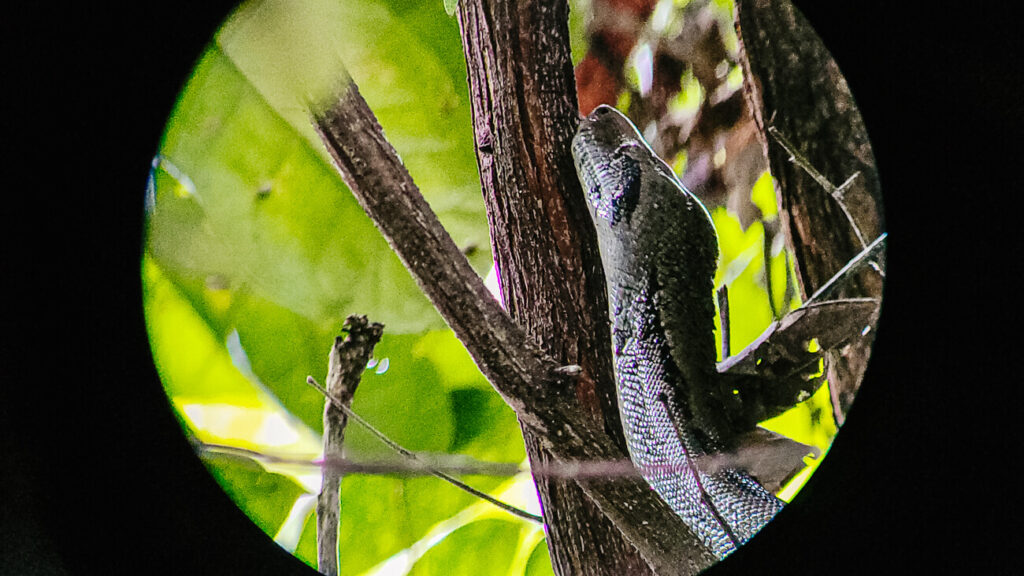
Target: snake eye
625 147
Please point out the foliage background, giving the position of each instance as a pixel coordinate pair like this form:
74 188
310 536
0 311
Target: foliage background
256 252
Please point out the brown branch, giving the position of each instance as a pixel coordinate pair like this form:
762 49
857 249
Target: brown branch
522 90
429 464
722 294
346 362
513 363
414 460
795 89
544 398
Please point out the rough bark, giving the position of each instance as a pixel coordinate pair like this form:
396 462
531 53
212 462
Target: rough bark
794 87
346 363
545 398
524 112
523 93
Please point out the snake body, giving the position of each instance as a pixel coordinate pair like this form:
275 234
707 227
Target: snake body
659 250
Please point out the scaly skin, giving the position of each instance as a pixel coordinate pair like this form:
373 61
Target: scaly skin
659 250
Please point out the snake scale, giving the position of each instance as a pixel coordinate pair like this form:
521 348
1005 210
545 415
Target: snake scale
659 250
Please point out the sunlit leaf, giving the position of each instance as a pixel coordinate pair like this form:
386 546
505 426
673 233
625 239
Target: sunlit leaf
256 252
265 497
268 213
578 41
486 427
462 551
192 360
810 422
382 516
763 196
741 268
539 563
456 368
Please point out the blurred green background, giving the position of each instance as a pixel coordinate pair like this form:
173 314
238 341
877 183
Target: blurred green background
256 252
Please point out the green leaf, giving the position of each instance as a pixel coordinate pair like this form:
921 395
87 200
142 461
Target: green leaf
382 516
539 563
477 548
307 549
268 217
454 366
763 196
265 497
741 268
485 427
450 6
400 54
190 357
265 211
579 14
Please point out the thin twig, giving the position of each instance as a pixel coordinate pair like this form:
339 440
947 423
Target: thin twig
837 193
864 257
346 362
511 360
767 241
414 458
723 314
426 464
463 465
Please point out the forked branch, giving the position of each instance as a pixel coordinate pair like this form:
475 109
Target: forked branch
527 377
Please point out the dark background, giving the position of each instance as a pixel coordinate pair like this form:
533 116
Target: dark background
97 478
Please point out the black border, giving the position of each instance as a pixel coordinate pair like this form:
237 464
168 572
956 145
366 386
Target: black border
916 480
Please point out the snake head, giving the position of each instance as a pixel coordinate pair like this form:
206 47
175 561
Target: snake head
610 157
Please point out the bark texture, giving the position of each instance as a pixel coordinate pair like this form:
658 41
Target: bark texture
545 399
523 93
795 88
524 114
346 363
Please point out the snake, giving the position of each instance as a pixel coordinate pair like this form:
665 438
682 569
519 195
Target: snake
659 250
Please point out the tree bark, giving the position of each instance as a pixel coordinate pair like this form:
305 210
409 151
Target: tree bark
795 90
347 360
545 398
523 95
545 249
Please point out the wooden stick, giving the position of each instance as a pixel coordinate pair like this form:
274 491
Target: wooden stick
417 462
347 360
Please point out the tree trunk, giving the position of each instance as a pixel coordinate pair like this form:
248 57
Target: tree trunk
794 88
524 115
